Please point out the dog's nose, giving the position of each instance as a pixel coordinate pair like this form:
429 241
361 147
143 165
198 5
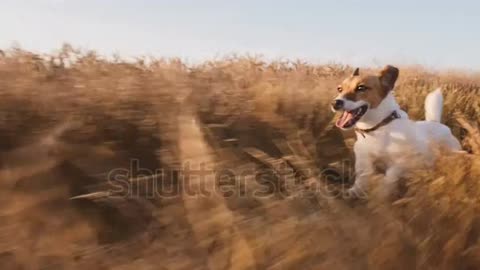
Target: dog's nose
337 104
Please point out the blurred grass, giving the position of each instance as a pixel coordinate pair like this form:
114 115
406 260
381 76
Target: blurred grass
71 118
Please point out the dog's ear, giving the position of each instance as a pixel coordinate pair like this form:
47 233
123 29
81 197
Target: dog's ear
388 77
356 72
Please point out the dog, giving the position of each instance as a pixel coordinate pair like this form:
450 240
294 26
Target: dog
384 132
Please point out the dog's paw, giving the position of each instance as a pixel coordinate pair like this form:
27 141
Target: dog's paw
354 193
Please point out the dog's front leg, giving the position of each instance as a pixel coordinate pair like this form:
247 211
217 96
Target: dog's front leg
363 172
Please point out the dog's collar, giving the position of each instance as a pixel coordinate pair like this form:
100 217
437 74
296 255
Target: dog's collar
394 115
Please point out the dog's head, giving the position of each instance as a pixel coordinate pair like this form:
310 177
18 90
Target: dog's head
359 93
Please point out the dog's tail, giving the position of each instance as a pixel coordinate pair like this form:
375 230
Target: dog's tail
434 106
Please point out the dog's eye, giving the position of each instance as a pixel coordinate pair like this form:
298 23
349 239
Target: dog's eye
361 88
339 89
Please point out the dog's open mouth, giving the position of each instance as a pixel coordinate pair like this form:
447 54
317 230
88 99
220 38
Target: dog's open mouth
349 118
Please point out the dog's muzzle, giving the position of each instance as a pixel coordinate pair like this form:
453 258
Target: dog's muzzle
337 104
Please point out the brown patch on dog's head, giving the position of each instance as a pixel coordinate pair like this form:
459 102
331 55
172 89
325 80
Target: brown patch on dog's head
370 88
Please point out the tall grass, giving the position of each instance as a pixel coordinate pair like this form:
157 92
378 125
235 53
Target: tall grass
70 118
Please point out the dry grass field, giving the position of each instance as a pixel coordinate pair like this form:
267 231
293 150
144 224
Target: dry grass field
230 164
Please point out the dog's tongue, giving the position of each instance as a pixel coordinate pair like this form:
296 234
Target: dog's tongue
344 119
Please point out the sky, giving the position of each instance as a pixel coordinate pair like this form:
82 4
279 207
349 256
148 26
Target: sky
438 34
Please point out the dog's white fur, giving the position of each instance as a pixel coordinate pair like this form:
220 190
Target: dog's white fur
390 144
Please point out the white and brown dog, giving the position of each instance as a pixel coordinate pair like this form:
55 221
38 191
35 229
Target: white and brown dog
384 132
